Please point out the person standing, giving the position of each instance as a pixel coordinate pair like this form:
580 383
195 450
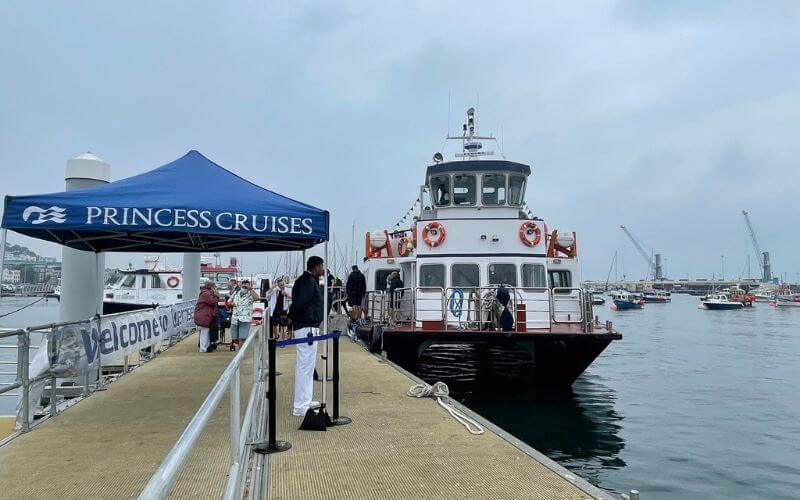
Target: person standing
279 300
205 313
356 289
306 313
242 313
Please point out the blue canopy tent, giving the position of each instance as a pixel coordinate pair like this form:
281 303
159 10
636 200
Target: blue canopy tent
188 205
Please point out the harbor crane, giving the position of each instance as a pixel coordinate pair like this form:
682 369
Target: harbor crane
763 257
653 265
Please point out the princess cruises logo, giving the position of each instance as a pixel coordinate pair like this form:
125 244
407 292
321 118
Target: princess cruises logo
52 214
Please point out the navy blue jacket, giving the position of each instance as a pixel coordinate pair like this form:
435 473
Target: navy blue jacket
307 302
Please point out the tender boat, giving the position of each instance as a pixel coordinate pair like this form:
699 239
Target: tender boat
625 300
484 281
597 299
720 301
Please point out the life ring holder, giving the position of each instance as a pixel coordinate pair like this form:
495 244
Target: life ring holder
172 281
439 234
530 228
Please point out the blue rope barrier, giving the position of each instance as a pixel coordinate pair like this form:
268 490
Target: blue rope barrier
306 340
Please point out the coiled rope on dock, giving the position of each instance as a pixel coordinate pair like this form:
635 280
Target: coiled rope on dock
440 390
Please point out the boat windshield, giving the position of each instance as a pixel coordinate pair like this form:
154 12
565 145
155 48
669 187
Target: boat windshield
516 190
127 281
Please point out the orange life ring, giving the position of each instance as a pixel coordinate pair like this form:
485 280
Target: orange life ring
405 246
173 281
438 232
527 229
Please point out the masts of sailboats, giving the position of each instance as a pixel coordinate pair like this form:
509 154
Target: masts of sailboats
613 267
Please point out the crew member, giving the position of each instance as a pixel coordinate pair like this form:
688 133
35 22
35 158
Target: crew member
306 313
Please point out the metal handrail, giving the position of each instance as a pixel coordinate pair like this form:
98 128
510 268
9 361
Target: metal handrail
164 478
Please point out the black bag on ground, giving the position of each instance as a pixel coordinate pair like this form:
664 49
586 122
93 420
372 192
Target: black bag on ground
316 419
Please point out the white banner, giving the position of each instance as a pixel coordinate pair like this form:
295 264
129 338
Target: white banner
124 334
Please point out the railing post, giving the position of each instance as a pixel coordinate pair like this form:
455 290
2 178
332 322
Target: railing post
271 445
53 396
23 363
233 388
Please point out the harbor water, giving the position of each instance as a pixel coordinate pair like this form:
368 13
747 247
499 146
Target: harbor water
690 403
37 312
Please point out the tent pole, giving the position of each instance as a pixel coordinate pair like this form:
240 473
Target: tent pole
3 233
324 376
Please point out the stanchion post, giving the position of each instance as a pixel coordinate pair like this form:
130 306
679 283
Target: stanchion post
337 420
272 445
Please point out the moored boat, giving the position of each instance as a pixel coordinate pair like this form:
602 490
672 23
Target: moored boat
721 301
625 300
657 297
480 278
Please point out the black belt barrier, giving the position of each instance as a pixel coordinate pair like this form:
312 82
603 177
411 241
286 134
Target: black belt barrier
272 445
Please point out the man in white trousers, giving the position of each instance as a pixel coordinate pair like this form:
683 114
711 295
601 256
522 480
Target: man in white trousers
306 313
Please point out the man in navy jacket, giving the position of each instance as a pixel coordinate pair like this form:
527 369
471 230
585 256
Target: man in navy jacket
306 313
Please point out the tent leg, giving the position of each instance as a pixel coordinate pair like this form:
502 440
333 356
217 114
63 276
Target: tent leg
324 376
3 233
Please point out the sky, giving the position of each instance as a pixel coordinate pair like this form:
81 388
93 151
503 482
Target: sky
667 117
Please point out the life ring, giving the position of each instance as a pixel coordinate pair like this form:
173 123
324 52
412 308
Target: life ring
527 229
438 232
173 281
405 246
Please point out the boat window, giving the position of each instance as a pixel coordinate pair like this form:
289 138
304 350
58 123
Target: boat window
560 279
534 276
380 278
464 189
494 189
516 189
128 281
144 282
465 276
155 281
431 275
503 274
440 190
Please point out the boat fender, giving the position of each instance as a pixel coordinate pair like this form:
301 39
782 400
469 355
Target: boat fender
173 281
376 339
433 230
530 234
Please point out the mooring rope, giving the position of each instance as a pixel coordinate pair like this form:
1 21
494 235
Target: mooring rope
21 308
440 390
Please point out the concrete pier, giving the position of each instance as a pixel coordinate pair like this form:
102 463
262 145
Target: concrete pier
396 448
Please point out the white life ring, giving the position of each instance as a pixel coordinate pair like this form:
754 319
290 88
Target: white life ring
172 281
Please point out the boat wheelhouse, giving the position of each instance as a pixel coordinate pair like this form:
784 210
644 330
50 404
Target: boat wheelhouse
478 268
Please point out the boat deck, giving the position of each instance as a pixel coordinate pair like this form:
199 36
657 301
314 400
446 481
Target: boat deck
555 329
397 447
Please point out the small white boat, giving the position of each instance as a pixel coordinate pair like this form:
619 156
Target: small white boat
720 301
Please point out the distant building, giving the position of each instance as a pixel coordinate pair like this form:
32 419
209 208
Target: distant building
12 276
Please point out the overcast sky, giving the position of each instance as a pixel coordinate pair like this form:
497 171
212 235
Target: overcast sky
668 117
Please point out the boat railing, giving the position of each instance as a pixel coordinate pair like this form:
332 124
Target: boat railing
167 473
568 305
